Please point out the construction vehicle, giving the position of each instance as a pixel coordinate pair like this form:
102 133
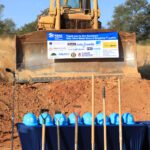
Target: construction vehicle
70 16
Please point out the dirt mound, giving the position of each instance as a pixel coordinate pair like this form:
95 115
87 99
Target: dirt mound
63 95
143 60
7 55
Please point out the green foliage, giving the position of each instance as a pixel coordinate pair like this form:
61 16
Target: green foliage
30 27
44 12
145 42
7 25
132 16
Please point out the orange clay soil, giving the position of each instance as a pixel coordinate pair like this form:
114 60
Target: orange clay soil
63 95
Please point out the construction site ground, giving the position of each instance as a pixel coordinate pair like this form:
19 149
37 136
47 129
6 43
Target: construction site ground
64 94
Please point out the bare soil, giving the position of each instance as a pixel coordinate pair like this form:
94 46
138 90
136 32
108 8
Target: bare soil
63 95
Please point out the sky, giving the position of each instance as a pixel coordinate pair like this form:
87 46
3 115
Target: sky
25 11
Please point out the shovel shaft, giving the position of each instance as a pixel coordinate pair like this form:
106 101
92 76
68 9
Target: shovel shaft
120 113
58 136
93 116
93 146
76 134
105 130
104 113
43 137
76 146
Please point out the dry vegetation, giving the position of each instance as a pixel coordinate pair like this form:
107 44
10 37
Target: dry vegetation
7 54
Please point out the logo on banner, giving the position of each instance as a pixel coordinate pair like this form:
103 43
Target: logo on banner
73 55
109 44
53 54
51 35
98 42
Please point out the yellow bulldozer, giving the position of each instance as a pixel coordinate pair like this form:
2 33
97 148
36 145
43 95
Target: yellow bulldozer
69 14
72 18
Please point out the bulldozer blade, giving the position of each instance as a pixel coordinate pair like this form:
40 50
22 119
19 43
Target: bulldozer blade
33 65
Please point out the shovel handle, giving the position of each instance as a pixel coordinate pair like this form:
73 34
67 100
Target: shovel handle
93 115
43 136
76 133
120 114
104 112
58 135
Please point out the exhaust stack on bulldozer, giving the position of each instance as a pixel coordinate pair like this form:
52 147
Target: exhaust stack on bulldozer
71 17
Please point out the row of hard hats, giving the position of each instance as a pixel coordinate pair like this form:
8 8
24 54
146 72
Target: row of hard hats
30 119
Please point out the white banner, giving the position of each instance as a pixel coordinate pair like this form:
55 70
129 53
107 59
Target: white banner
82 45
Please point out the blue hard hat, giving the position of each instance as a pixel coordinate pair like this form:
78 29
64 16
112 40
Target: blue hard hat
128 118
87 118
114 118
61 118
46 119
29 119
72 119
100 119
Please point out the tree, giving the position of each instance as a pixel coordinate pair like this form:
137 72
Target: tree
32 26
132 16
1 10
1 23
6 25
9 26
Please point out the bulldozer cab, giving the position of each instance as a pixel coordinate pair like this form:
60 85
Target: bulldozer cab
69 14
76 4
70 3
